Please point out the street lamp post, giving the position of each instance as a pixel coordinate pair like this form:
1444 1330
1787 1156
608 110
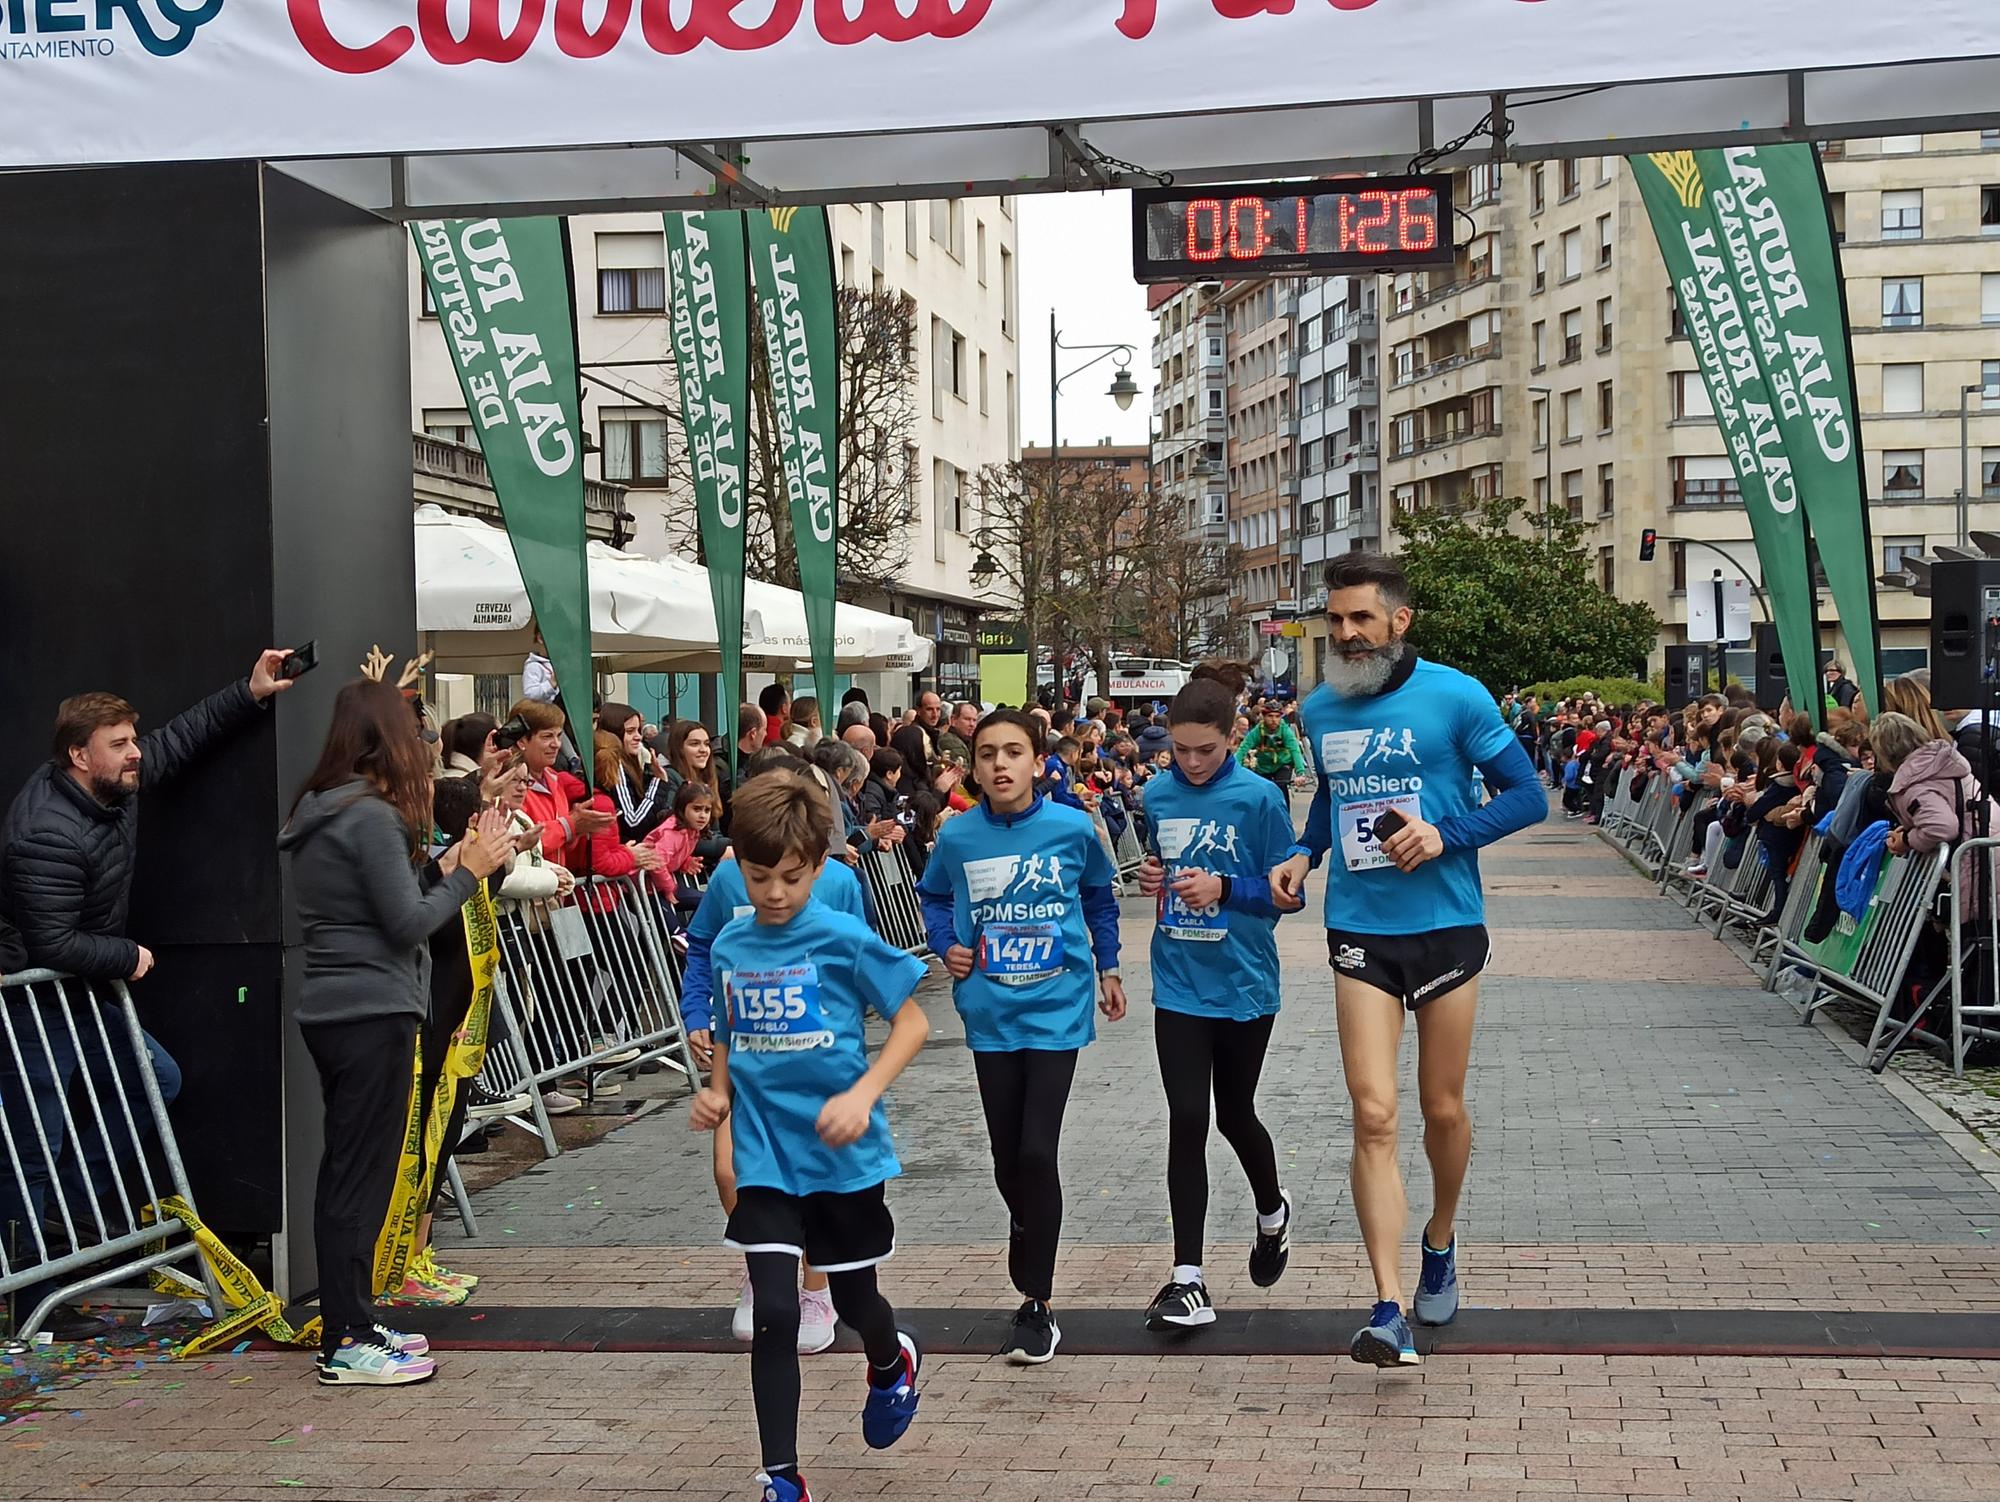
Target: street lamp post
1965 395
1548 464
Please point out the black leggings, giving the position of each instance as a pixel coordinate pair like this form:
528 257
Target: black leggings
364 1075
774 1348
1202 1057
1025 1093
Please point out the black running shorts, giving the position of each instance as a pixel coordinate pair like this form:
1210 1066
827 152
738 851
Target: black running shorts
836 1233
1415 967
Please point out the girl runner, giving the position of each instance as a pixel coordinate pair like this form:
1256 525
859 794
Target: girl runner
1218 829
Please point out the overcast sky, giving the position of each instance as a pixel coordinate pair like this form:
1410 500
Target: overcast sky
1076 257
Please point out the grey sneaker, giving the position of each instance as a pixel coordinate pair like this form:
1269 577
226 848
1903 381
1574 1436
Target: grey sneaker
1436 1302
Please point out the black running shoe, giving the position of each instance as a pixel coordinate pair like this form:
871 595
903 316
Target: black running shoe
1273 1249
1180 1306
1035 1335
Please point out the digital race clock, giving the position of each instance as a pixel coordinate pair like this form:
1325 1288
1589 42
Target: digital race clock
1277 229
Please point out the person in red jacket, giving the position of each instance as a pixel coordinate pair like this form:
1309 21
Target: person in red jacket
555 800
602 853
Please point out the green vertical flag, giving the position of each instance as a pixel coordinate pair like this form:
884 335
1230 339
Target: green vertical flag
1720 326
791 257
708 264
1770 205
501 288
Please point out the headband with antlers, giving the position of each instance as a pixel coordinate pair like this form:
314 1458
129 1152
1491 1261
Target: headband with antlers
376 667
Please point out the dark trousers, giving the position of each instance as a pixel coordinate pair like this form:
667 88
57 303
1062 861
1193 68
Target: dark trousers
1204 1059
1025 1093
364 1079
774 1345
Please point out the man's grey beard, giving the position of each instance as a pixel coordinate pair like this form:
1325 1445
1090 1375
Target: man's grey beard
1358 677
110 791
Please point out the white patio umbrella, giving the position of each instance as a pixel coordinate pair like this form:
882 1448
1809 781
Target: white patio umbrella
473 608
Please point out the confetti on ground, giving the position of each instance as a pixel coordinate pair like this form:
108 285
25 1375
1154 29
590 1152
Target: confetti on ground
239 1348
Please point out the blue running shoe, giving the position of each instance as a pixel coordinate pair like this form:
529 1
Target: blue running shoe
1436 1302
888 1411
1385 1339
785 1489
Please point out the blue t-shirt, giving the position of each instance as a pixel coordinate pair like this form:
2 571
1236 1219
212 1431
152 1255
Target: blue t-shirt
1013 889
794 996
1412 749
1219 961
837 888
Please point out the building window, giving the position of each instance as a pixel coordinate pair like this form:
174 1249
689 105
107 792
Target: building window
635 445
1836 204
1902 388
1605 485
1572 178
1901 145
1896 549
980 258
1572 416
1482 184
1538 338
631 274
948 485
1989 209
1603 324
1989 379
1690 396
1573 493
1541 262
948 364
1989 472
425 307
982 382
1989 297
1677 554
948 226
1572 335
1541 411
1537 194
1607 570
1603 240
1572 254
1989 140
1676 321
1902 302
452 424
1606 406
1541 493
1215 401
1007 292
1406 363
1405 434
1903 215
1705 481
1903 473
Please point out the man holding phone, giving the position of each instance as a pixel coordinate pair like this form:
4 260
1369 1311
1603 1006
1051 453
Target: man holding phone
1397 741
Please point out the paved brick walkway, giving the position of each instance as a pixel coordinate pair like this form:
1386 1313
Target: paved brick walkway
1654 1132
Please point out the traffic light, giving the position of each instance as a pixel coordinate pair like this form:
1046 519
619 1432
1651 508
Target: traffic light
1649 542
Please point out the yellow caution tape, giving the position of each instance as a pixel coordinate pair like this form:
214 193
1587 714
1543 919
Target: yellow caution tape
253 1306
424 1146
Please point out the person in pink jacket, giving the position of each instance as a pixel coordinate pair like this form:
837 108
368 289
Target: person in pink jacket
696 809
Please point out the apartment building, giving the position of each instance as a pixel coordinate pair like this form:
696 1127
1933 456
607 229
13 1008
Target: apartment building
1340 482
1190 414
1261 361
954 257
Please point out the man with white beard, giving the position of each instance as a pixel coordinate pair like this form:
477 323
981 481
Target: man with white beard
1397 741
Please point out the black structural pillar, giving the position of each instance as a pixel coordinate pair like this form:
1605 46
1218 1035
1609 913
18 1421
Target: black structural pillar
205 422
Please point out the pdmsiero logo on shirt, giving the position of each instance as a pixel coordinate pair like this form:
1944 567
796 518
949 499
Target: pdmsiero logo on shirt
1363 763
66 30
1007 888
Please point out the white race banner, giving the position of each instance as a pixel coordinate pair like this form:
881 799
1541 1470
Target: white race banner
97 81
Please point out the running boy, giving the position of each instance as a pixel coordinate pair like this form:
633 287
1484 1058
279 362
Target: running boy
837 888
813 1150
1016 896
1219 829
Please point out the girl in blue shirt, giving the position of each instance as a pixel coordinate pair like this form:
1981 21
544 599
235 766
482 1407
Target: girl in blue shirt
1016 896
1217 830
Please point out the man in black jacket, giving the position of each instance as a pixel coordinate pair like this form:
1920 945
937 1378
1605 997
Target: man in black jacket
67 852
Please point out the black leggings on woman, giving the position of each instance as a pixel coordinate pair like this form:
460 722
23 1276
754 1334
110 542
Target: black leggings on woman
1025 1093
774 1347
1202 1057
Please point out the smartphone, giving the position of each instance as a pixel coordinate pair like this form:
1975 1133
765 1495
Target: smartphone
1389 824
301 662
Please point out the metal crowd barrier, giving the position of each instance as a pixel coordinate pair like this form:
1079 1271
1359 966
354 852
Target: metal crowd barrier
892 889
1676 880
1620 803
1888 932
1975 948
594 981
1788 933
84 1147
1669 837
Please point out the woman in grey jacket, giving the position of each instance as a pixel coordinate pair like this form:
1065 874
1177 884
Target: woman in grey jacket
367 907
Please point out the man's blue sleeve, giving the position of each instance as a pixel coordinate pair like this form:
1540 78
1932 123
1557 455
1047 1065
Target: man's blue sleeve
1318 838
697 982
1100 912
1519 802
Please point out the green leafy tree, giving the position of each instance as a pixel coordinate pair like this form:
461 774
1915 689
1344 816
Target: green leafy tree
1495 600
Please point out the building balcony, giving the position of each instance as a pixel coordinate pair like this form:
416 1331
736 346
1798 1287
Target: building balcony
1288 487
1288 427
1355 458
1364 393
453 475
1215 428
